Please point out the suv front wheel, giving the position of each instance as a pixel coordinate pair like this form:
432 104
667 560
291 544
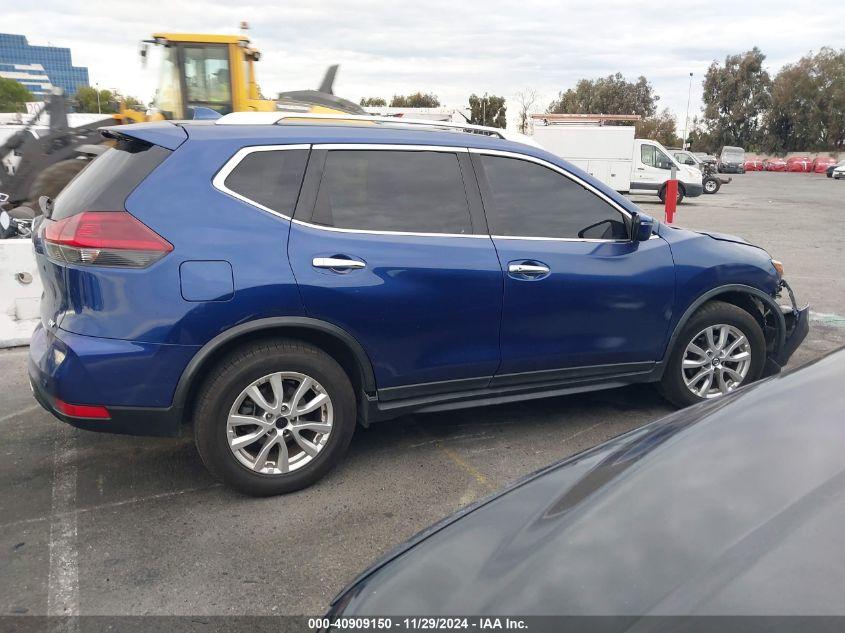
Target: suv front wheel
720 348
274 417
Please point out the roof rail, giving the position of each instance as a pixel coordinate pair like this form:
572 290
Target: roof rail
272 118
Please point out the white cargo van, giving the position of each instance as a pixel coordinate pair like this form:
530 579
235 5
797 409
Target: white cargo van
624 163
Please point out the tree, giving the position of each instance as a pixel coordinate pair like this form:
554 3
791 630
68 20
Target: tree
699 139
735 97
87 101
661 128
376 102
526 99
133 103
607 95
416 100
13 96
487 110
808 104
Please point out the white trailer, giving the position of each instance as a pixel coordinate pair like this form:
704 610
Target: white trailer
612 154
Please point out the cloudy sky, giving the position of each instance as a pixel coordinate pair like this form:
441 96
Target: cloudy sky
449 48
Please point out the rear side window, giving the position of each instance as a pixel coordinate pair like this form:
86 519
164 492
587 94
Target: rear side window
270 178
530 200
105 184
385 190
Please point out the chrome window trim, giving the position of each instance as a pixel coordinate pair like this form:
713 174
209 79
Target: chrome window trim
560 239
375 232
566 174
219 180
392 147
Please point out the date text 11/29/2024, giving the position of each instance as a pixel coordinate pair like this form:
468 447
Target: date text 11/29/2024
423 623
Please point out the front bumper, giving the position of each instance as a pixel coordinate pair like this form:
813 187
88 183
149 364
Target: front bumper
693 190
797 322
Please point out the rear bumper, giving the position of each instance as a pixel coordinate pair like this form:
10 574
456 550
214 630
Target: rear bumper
134 381
161 422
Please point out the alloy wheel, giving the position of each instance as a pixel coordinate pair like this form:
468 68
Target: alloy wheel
279 423
716 361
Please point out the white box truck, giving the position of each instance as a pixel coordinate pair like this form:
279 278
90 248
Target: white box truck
622 162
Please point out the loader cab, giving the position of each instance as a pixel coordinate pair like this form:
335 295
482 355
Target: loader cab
205 74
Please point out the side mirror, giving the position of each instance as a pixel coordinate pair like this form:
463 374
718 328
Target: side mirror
643 227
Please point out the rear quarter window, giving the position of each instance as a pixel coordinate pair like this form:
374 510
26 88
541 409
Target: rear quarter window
270 178
105 184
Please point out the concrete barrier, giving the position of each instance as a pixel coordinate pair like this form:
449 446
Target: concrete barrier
20 292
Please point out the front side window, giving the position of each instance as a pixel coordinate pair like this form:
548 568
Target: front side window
385 190
653 157
270 178
207 77
530 200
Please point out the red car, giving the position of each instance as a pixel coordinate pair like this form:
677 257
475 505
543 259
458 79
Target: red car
821 164
799 164
753 164
774 164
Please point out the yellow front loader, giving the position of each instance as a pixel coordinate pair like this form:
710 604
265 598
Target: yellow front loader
204 76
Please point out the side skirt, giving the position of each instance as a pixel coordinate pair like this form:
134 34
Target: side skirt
511 388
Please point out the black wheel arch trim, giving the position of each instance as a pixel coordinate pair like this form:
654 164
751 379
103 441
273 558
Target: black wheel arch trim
186 380
714 293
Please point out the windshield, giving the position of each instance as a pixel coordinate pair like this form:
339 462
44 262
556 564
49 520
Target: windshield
733 153
207 77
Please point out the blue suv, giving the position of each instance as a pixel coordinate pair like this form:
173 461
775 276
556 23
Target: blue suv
274 282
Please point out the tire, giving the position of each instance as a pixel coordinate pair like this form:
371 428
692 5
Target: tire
662 194
712 185
54 178
673 385
292 361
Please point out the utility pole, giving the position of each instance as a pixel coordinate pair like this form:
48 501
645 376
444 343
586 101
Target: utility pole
686 121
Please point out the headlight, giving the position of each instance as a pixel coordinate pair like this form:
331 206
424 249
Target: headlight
778 267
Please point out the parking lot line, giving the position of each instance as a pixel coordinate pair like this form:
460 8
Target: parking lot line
63 580
19 412
456 459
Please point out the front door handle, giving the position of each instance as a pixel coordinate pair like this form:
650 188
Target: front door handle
338 263
528 269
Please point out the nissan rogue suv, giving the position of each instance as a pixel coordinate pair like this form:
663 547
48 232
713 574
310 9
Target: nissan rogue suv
273 282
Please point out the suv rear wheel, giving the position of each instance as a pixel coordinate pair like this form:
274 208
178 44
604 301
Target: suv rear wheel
274 417
719 349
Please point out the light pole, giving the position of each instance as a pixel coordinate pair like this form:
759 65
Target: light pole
97 88
686 121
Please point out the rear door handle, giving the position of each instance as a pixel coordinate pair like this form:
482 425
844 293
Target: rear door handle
338 263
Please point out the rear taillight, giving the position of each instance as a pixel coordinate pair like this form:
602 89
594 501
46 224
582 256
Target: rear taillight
104 238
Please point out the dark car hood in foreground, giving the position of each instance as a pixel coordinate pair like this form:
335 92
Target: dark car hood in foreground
732 507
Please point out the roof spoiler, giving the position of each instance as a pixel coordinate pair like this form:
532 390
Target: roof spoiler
161 133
